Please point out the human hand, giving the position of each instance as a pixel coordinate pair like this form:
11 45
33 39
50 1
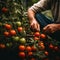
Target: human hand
34 25
51 28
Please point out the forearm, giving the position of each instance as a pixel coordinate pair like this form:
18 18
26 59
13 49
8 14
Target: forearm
31 14
33 23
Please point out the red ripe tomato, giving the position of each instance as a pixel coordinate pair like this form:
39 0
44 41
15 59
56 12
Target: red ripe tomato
46 53
12 32
43 36
7 26
56 48
21 47
30 53
4 9
37 34
6 33
2 46
22 54
28 49
51 46
33 59
41 43
36 38
42 47
20 29
34 48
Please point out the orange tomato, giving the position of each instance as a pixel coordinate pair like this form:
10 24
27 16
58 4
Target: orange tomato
40 43
36 38
43 36
37 34
19 29
21 47
30 53
42 47
22 54
12 32
34 48
2 46
46 53
28 49
6 33
8 26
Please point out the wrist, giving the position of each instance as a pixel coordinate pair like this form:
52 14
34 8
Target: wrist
31 18
58 25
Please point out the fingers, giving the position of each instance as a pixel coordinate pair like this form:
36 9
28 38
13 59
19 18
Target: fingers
48 29
38 27
32 25
35 27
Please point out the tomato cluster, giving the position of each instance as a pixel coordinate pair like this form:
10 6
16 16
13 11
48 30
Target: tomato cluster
38 35
26 51
9 31
53 47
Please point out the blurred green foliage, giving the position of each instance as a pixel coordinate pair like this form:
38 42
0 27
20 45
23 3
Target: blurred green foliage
34 1
31 2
